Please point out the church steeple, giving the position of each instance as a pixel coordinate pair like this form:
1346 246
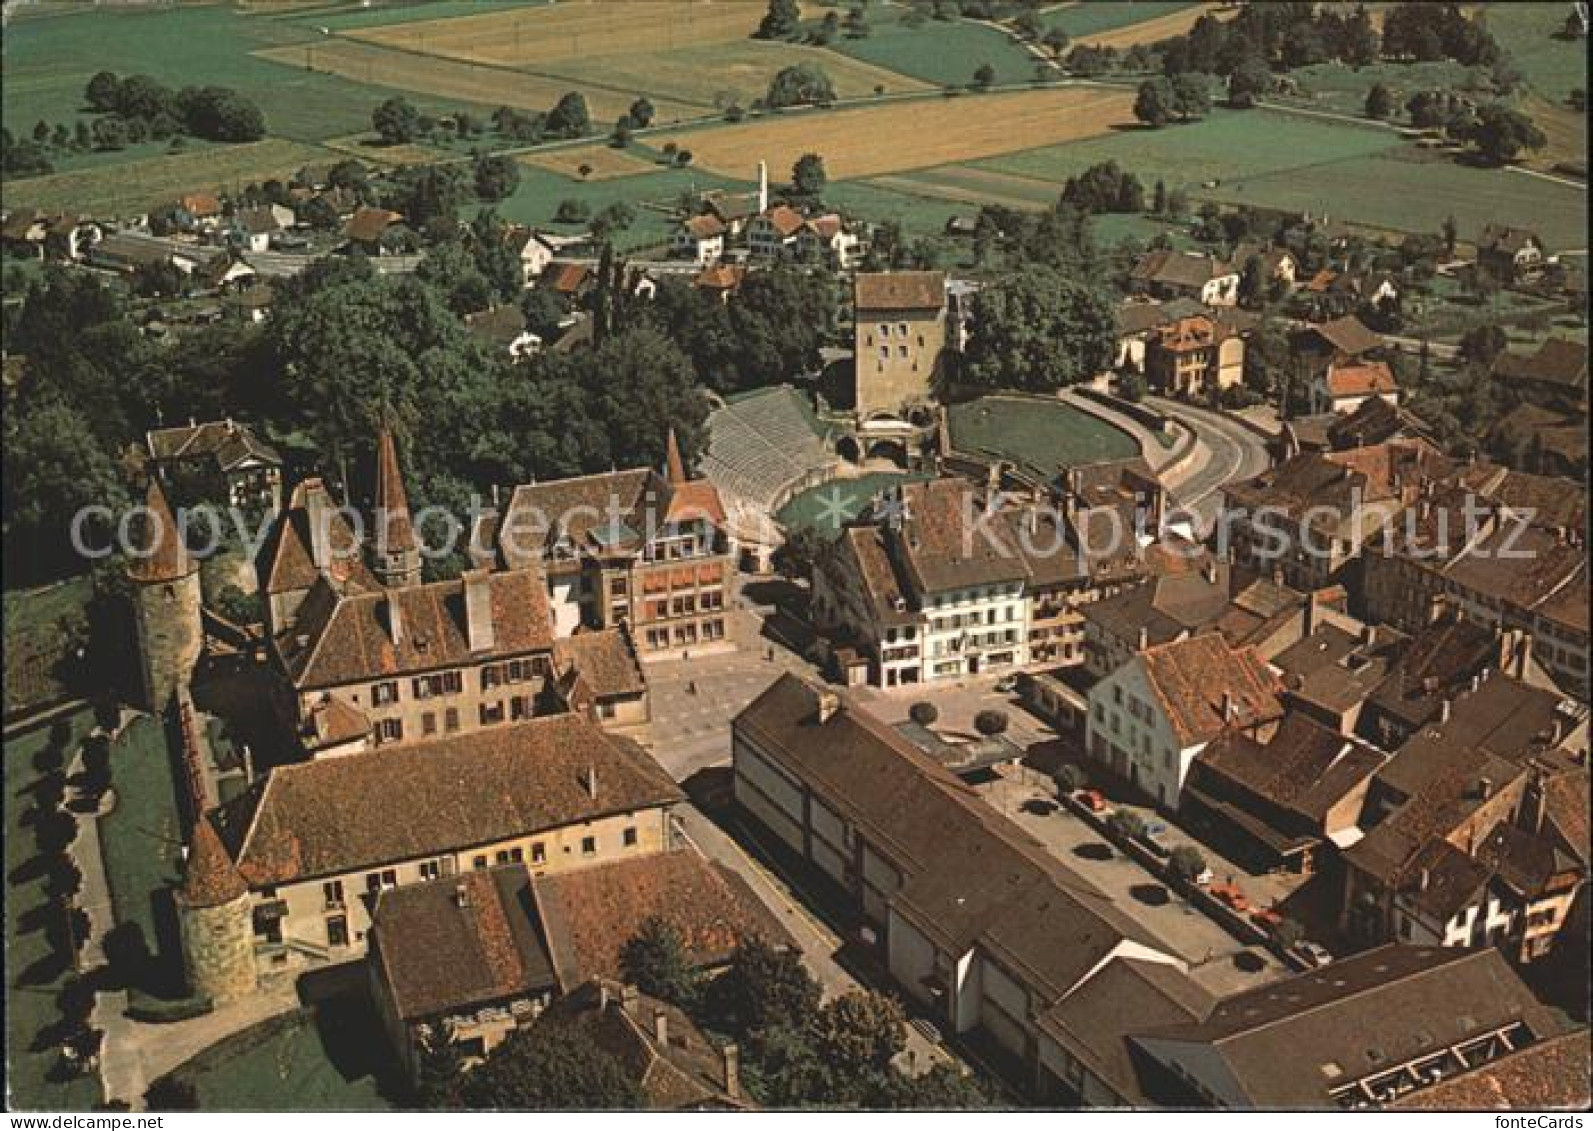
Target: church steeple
395 551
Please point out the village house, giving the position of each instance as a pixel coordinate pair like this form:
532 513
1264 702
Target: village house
535 249
1186 274
721 280
1284 803
254 229
921 595
1150 718
1330 673
772 234
598 672
200 210
1553 377
1346 385
1139 319
827 240
628 547
504 328
700 239
231 462
564 930
1277 266
295 864
1509 254
1193 358
368 230
899 339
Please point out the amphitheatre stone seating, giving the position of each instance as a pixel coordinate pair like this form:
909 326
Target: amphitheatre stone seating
759 443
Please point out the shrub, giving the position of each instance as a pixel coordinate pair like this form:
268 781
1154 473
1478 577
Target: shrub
924 713
1289 933
1185 863
1070 778
990 722
160 1011
1126 823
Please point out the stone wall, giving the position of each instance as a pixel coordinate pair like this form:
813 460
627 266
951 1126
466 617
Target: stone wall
218 949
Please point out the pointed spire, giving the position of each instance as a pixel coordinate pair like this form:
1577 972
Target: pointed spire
675 466
211 878
163 557
397 554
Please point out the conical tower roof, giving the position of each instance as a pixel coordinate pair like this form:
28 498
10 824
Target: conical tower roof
159 553
211 878
392 502
674 465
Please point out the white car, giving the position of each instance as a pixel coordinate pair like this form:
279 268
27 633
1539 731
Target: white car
1006 683
1316 953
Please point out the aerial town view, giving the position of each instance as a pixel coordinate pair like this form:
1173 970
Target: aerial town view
767 555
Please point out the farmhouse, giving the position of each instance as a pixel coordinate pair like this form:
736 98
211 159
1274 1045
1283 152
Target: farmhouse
1509 254
772 234
700 239
235 463
1187 274
826 239
1344 386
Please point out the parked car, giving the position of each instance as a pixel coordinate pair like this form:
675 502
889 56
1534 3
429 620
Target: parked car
1315 953
1092 800
1205 878
1006 684
1231 896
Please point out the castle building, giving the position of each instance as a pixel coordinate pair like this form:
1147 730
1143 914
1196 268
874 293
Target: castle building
166 600
899 338
214 919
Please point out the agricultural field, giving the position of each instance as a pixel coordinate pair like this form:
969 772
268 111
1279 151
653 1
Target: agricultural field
716 75
576 30
1121 32
946 54
138 185
339 17
1083 22
485 87
1553 67
897 136
602 162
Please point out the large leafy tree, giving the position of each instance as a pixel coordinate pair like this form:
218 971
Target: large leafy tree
550 1065
655 961
396 121
1039 330
1499 133
767 988
781 21
804 84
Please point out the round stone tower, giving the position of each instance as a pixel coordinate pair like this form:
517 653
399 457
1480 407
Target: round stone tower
166 601
215 919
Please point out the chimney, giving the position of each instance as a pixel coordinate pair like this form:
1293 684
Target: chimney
1209 571
661 1027
589 780
318 510
731 1055
395 619
829 703
628 997
1444 710
1485 788
478 610
461 895
1368 635
763 187
602 995
1227 707
1423 878
1142 640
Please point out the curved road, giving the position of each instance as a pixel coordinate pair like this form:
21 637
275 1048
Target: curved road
1232 452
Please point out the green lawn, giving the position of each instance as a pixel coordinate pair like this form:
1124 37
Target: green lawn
1039 434
1083 20
33 976
141 837
938 52
1342 89
1526 31
400 12
40 626
334 1058
824 508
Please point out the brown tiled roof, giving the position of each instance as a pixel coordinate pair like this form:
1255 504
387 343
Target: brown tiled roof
1348 335
871 565
704 227
347 637
1305 768
1558 361
1441 881
1289 1043
899 290
604 661
289 563
333 721
1361 379
228 442
200 204
160 554
209 877
1567 797
1179 268
1374 421
1198 332
785 220
1549 1075
941 547
1193 678
368 224
589 914
418 800
1518 564
1140 317
459 943
720 277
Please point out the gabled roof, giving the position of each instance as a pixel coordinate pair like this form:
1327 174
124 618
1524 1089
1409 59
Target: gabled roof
287 558
1194 679
720 277
945 545
705 227
1361 379
337 639
785 220
367 225
418 800
899 290
157 552
229 442
604 662
1558 361
1551 1074
1179 268
1305 768
1348 335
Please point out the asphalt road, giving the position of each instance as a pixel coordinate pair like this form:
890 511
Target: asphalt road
1233 452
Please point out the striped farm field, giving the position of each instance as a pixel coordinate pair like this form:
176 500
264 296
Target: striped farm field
718 74
877 140
603 162
1158 27
109 189
365 147
574 30
487 86
967 185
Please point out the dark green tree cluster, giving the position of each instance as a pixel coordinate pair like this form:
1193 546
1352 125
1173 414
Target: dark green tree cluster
1106 187
1186 96
150 108
804 84
551 1065
1039 330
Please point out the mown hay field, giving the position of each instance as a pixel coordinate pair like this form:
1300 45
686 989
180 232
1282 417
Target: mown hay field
716 75
1157 28
111 189
891 138
604 162
573 30
446 78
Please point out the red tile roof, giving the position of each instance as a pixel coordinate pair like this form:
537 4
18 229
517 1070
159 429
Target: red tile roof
392 501
1195 677
900 290
161 555
1365 378
210 879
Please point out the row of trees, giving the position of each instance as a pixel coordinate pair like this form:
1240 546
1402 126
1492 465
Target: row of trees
397 121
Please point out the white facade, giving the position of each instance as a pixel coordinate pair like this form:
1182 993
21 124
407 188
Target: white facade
1128 731
978 629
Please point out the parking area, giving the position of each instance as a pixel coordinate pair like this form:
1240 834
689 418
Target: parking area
1218 961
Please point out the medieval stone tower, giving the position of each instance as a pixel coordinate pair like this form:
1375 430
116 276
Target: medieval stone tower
166 601
216 922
